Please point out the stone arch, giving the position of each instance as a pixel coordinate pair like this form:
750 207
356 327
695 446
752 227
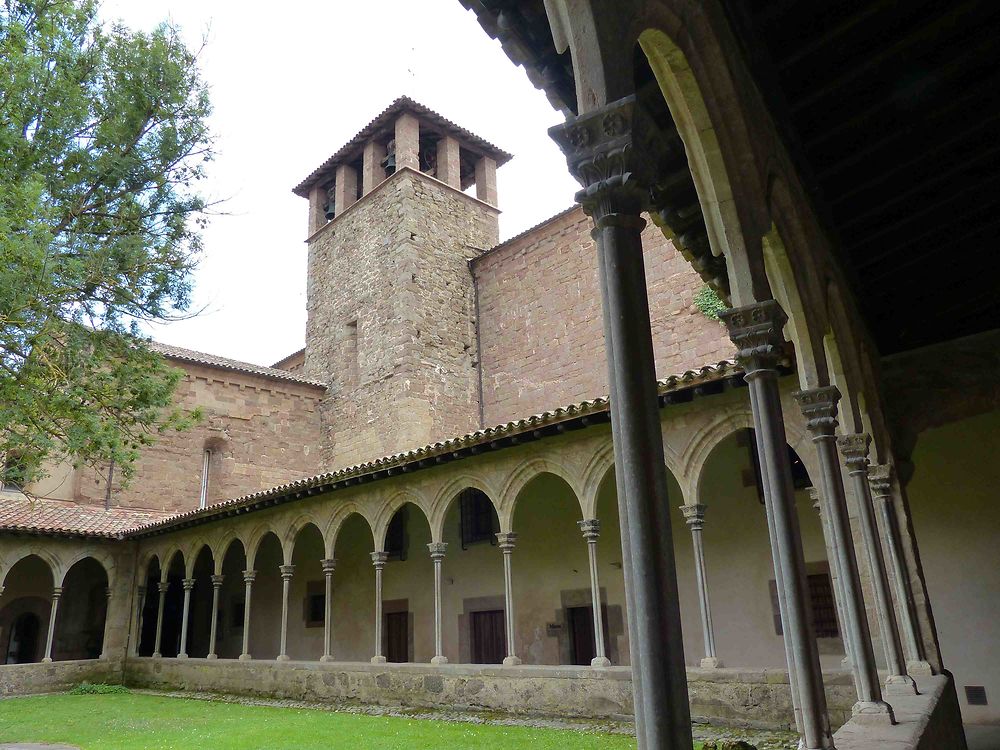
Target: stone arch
170 557
252 542
593 475
221 546
191 553
45 555
447 494
704 441
843 349
337 521
388 509
523 474
104 559
292 529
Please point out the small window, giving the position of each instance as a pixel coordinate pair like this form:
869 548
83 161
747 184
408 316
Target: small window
824 608
206 467
478 518
315 604
395 535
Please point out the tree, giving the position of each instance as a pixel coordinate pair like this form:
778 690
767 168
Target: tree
103 138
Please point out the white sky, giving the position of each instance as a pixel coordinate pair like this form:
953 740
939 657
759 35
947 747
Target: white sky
290 84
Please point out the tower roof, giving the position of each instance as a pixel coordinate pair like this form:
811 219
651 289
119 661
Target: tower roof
383 124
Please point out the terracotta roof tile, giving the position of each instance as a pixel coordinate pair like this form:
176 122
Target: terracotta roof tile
19 513
212 360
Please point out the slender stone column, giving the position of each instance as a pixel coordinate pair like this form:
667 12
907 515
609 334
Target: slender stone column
49 637
188 584
140 592
507 541
214 627
286 584
591 529
107 620
378 560
819 406
437 550
329 565
855 450
612 151
838 594
162 587
756 331
694 515
248 579
880 479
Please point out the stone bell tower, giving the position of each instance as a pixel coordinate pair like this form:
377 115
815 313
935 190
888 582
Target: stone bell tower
390 298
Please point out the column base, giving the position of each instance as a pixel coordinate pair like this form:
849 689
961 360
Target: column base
439 660
919 669
212 656
245 657
600 662
283 657
326 658
182 656
873 713
511 661
378 660
157 655
710 662
47 660
900 684
846 663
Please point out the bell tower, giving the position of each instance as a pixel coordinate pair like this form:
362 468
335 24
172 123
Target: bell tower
391 328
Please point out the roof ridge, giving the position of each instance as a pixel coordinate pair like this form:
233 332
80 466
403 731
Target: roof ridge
217 360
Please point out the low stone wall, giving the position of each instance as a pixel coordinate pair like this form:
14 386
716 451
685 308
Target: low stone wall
758 699
25 679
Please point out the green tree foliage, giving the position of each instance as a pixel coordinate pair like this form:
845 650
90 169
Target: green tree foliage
708 302
103 138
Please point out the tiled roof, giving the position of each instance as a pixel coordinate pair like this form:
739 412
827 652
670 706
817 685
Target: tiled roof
211 360
60 517
403 103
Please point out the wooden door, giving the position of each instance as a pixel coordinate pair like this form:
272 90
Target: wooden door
489 639
397 637
581 633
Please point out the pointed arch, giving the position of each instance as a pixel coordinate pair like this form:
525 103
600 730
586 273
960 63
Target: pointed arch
221 547
292 530
524 473
101 557
593 474
704 441
46 556
337 521
447 493
389 508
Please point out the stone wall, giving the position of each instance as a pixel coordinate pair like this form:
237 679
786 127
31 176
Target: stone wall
26 679
541 327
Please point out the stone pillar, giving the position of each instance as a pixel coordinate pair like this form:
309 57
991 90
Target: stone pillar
448 167
819 407
107 620
317 210
214 627
140 593
694 515
756 331
372 171
248 579
50 636
855 450
345 189
438 550
378 560
162 587
286 584
506 541
329 565
880 479
486 180
838 594
188 584
407 142
591 529
611 153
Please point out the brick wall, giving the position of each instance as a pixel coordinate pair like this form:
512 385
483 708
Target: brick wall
541 330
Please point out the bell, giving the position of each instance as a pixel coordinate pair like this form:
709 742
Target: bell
328 211
390 162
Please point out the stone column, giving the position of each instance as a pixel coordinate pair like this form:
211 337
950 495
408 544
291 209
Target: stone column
286 584
612 152
756 331
162 587
214 627
880 479
407 142
486 180
49 637
345 189
506 541
378 560
855 450
329 565
438 550
838 594
591 529
140 593
188 584
819 407
317 208
107 620
448 167
372 171
248 579
695 517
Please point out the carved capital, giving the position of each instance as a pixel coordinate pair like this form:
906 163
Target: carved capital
507 540
756 331
880 479
163 586
249 576
57 591
694 515
379 559
187 584
855 450
329 565
217 581
141 590
437 550
286 571
816 500
819 407
590 528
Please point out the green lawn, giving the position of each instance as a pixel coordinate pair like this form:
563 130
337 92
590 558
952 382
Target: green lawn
147 722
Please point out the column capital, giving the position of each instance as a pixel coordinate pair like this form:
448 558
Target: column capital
329 565
141 590
286 571
854 448
437 550
819 407
379 559
187 584
57 591
249 576
507 540
880 479
590 528
163 586
815 498
217 580
694 515
757 332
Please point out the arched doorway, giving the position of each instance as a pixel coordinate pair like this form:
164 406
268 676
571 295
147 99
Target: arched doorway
407 588
25 606
24 642
82 612
353 607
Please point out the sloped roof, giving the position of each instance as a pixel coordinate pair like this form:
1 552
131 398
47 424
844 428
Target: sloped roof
61 517
383 120
212 360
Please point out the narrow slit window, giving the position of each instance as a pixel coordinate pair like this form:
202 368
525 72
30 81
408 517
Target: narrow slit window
206 466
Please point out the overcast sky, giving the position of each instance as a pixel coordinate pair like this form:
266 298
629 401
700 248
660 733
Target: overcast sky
290 84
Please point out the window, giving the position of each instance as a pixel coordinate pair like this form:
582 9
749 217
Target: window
751 476
478 518
315 604
395 535
206 465
824 608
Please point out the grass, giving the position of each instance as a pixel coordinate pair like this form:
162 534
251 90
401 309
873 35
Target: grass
148 722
